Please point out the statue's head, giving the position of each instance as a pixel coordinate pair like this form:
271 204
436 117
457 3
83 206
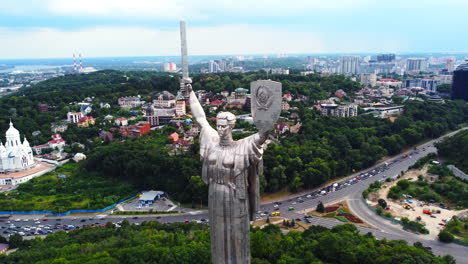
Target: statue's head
225 122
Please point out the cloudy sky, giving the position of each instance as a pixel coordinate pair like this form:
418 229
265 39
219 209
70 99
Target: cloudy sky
105 28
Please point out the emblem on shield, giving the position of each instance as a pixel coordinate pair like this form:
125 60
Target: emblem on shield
266 103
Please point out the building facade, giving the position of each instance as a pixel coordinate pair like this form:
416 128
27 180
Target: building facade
130 102
338 110
416 64
460 83
14 155
74 117
369 79
349 65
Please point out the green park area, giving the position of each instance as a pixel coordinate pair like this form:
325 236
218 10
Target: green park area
73 189
439 186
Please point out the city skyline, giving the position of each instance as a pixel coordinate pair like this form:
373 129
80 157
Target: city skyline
56 29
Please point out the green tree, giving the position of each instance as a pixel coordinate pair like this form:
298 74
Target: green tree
320 208
15 241
382 203
445 236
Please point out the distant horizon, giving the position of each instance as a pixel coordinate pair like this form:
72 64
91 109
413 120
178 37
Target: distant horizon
256 55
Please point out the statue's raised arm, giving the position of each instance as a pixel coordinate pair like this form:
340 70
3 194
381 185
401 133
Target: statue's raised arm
197 110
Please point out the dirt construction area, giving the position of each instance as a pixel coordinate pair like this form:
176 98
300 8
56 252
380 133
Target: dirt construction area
433 217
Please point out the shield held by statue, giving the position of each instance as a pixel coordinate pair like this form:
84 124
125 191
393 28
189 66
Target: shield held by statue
266 103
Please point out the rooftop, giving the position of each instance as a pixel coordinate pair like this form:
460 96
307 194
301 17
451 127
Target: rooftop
150 195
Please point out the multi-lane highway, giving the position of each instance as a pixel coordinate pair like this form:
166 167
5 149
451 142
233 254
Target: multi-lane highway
349 189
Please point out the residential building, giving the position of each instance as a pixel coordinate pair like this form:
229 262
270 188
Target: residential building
159 116
174 137
139 129
105 105
14 155
86 121
43 108
449 65
193 131
285 106
106 135
86 109
240 93
416 64
57 142
460 82
338 110
180 108
121 121
74 117
281 128
349 65
287 97
129 102
58 127
428 84
385 57
368 79
164 99
340 93
389 83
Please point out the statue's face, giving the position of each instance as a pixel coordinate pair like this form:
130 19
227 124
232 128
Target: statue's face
223 128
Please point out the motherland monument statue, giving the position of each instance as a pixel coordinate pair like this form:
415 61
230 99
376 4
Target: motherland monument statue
232 168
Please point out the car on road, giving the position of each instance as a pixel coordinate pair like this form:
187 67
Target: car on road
45 219
291 208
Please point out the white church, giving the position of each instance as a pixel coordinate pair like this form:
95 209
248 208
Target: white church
14 155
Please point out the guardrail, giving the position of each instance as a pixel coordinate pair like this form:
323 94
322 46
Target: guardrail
459 242
73 211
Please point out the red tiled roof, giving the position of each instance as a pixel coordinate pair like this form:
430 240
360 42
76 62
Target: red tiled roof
216 103
56 141
41 146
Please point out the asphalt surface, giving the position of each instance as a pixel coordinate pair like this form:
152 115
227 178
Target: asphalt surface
349 189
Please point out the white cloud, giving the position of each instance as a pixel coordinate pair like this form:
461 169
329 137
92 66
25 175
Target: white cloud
175 9
137 41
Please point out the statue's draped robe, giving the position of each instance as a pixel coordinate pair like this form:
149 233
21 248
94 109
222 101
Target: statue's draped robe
232 174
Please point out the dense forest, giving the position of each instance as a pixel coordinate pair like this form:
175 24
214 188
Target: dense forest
145 164
180 243
455 150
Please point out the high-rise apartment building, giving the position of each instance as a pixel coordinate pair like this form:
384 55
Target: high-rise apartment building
460 82
385 57
369 79
416 64
349 65
449 65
